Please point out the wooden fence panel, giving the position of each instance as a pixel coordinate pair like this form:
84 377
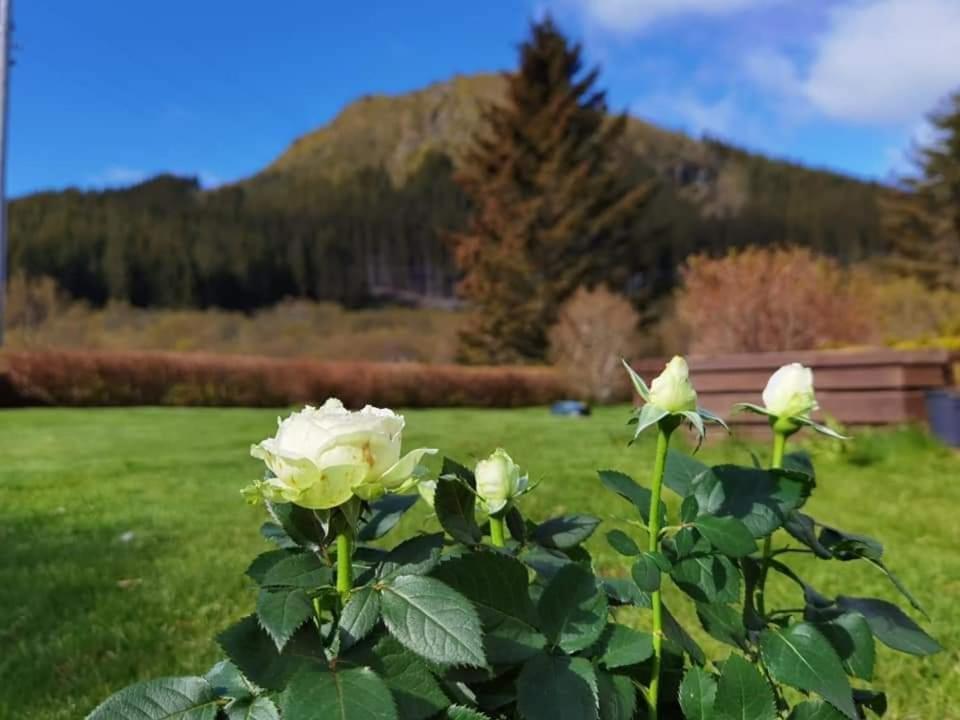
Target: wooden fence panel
871 387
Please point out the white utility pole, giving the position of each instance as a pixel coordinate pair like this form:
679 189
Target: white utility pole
5 14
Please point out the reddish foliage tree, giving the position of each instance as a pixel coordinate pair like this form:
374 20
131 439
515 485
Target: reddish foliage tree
759 299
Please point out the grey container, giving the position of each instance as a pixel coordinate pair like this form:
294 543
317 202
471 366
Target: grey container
943 412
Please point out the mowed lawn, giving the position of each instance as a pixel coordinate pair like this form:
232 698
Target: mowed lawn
123 537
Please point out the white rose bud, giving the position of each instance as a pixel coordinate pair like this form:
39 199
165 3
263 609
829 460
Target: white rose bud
671 390
321 457
789 392
498 481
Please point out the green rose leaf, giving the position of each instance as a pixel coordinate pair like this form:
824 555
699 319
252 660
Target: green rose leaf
804 528
698 693
385 513
359 616
618 696
815 710
175 698
357 694
257 708
547 562
851 637
621 591
689 509
743 693
497 585
415 690
727 534
707 578
640 497
870 699
802 657
566 531
723 623
263 562
680 472
899 586
646 573
760 499
433 620
303 570
415 556
622 543
676 634
255 654
455 505
849 546
282 611
553 687
891 626
227 681
800 461
458 712
517 525
572 609
451 468
277 535
621 646
307 528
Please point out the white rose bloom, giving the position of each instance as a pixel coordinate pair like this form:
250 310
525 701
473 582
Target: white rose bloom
498 480
671 390
320 457
789 392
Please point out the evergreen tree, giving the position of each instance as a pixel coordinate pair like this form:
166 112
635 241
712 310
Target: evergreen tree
551 210
922 218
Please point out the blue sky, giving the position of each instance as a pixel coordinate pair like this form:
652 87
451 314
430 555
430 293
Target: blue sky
107 92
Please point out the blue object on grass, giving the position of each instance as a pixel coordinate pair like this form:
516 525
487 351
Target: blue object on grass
943 412
570 407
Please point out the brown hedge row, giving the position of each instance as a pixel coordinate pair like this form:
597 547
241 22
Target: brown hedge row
158 378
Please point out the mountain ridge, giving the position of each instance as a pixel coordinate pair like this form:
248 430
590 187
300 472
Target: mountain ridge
396 131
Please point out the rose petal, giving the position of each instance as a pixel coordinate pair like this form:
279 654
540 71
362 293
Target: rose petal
333 487
403 468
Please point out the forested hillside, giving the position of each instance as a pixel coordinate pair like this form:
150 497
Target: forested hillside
359 211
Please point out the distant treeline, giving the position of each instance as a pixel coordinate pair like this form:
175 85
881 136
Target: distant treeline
166 242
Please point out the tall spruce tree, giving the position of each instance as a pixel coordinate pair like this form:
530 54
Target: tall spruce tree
922 218
551 207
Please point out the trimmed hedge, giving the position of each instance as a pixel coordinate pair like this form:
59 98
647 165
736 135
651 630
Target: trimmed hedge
80 378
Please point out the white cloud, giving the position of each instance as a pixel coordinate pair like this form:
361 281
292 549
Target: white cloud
715 117
119 175
208 179
630 16
885 61
772 71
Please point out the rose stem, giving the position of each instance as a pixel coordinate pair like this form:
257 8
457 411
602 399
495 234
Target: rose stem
344 565
663 443
496 531
779 444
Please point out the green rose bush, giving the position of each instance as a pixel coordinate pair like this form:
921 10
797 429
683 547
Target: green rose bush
496 615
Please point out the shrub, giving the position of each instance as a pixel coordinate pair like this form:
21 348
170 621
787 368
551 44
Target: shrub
594 328
759 299
500 617
322 331
144 378
31 302
912 315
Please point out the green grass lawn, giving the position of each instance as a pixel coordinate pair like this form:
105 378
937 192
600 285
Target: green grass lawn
124 538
